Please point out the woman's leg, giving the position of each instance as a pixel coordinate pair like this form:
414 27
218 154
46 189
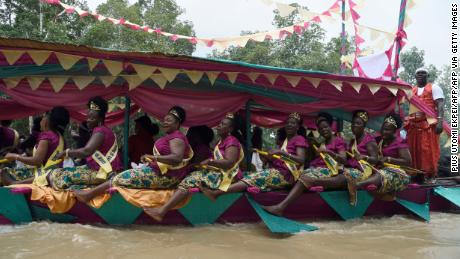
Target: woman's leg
159 213
239 186
279 208
375 179
87 195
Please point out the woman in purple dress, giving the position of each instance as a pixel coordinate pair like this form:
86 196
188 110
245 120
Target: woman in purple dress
166 167
216 173
321 171
101 153
393 153
50 142
285 164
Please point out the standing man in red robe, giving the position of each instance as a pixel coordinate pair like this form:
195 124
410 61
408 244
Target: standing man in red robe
423 131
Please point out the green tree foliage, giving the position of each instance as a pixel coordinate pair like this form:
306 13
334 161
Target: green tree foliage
305 51
161 14
413 59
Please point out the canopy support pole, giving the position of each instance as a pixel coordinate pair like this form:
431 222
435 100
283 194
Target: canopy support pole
248 135
402 15
126 133
343 40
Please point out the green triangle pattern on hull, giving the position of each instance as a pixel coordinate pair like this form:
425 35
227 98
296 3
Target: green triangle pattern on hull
14 206
421 210
339 201
201 210
40 213
280 225
117 211
450 194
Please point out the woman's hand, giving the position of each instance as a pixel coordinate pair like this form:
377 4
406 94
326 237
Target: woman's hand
59 156
11 156
148 158
205 162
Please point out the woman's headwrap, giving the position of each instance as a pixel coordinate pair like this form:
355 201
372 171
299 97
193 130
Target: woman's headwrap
363 115
390 120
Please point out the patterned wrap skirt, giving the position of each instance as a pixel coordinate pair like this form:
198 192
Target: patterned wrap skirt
19 174
267 180
316 173
207 178
393 180
79 177
144 178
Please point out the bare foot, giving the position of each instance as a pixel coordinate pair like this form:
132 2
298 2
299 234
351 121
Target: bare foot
155 213
275 210
82 195
211 194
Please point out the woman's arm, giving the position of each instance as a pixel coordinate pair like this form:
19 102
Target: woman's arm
229 160
404 160
177 147
36 160
373 153
94 143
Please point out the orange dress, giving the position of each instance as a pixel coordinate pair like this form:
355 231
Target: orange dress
423 141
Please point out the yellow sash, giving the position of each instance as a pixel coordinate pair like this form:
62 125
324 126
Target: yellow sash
365 166
413 109
330 162
291 166
42 172
165 167
227 176
104 161
16 138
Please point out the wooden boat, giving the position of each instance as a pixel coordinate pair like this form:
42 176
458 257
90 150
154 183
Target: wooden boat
234 208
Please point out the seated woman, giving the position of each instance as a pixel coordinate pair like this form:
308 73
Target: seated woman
319 174
285 164
218 172
101 153
393 152
49 143
362 147
167 166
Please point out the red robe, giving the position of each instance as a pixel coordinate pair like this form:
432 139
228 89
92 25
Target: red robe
423 141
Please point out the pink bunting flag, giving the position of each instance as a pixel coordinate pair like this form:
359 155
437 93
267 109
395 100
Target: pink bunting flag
354 15
326 13
298 29
358 39
306 25
173 37
316 19
54 2
193 40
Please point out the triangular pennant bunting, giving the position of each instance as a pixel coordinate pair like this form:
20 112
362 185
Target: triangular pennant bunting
195 76
35 82
133 81
253 76
232 76
212 76
67 61
356 86
39 56
39 213
373 88
393 90
271 78
107 80
57 83
114 67
284 9
92 63
12 55
169 73
160 80
144 71
83 81
336 84
293 80
11 82
314 81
